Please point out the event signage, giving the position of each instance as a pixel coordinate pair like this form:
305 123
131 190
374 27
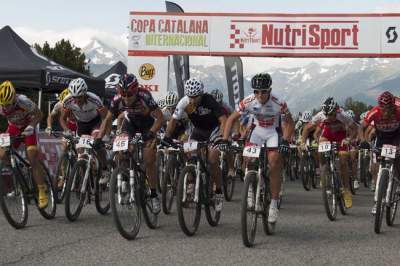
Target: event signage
292 35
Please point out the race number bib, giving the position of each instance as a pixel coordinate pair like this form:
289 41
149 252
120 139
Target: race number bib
324 146
85 141
190 146
252 151
388 151
5 140
121 143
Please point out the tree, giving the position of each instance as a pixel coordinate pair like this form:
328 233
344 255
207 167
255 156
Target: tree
357 106
66 54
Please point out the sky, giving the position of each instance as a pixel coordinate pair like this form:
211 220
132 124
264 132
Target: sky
80 20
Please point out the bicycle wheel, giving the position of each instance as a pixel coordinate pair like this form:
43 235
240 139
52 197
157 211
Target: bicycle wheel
189 211
329 197
391 208
380 203
248 213
160 163
150 217
351 185
168 186
74 198
50 211
305 177
313 173
63 171
13 198
228 182
101 195
213 216
125 210
269 228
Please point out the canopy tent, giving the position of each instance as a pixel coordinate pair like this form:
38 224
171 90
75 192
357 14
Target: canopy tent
21 64
120 69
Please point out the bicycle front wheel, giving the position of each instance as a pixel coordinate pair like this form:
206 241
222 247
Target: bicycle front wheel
50 211
168 186
391 208
13 198
102 196
248 212
381 204
329 197
63 171
74 198
124 208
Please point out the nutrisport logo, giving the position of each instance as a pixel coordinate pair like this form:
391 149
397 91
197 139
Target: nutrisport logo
240 38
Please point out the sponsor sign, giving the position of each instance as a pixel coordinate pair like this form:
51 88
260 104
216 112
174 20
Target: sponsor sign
292 35
152 73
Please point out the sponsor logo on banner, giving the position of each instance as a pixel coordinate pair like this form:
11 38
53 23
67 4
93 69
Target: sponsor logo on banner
310 35
147 71
177 32
391 34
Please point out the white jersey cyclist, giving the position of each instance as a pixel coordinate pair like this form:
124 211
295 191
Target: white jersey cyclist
88 111
265 118
320 118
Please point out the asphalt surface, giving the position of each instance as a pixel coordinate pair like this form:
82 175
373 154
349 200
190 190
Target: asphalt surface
304 236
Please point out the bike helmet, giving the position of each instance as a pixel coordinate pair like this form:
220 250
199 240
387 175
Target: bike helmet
217 94
194 87
171 100
161 103
306 116
350 113
385 99
262 81
329 106
77 87
112 81
7 93
63 94
363 115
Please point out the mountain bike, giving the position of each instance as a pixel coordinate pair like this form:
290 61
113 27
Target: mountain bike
387 194
196 189
307 169
228 181
129 188
18 187
332 189
256 196
83 182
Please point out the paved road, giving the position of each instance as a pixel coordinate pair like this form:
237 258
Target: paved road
304 236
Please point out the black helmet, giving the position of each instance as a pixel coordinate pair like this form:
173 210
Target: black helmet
329 106
262 81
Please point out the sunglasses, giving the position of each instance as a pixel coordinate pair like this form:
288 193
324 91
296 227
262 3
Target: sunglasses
126 94
261 92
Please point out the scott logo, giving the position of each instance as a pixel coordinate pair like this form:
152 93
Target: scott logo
391 34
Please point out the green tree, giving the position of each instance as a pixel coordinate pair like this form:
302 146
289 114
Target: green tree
65 54
357 106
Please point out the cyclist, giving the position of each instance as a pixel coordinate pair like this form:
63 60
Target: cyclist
56 112
334 124
140 114
183 127
354 153
89 112
208 121
386 121
23 116
266 110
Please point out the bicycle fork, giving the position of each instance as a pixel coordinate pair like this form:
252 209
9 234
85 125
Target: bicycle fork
258 190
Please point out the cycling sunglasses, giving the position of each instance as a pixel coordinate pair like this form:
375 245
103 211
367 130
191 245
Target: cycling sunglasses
261 91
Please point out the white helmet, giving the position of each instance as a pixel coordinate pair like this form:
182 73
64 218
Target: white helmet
194 87
363 115
306 116
350 113
161 103
171 99
77 87
112 81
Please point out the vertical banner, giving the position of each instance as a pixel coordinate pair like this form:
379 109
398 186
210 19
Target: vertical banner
181 62
152 73
234 78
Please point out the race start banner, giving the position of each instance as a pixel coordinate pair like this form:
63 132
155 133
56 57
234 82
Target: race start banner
280 35
151 72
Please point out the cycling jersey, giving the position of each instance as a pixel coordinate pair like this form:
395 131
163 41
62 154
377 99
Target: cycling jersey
21 114
204 116
386 125
182 126
71 122
265 115
88 111
139 112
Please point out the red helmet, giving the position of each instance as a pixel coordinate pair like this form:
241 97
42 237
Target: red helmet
128 84
385 99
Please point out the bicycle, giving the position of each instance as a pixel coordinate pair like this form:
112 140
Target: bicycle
307 169
18 187
175 162
332 188
228 181
196 189
84 182
65 164
129 188
237 150
256 196
387 194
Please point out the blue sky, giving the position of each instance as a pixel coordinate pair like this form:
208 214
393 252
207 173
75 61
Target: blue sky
81 20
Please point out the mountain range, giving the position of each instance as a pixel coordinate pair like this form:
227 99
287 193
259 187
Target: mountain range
301 87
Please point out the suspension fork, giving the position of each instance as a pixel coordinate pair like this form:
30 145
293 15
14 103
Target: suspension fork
389 188
86 177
